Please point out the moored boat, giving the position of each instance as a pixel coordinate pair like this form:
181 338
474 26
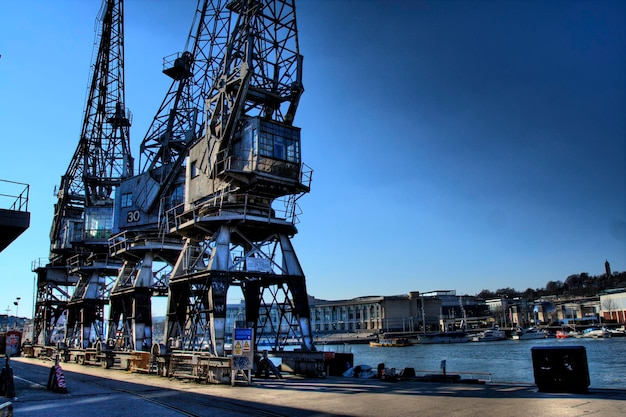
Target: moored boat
562 334
595 332
491 335
444 337
529 334
617 332
398 342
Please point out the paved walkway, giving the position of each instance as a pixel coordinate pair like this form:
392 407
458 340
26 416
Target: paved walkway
108 392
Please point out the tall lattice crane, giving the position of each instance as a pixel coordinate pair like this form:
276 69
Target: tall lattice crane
243 179
148 249
83 213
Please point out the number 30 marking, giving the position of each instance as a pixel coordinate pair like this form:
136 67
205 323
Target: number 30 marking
133 216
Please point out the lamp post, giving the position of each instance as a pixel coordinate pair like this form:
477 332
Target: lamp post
8 310
16 303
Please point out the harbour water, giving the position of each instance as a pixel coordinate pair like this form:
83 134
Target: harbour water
507 361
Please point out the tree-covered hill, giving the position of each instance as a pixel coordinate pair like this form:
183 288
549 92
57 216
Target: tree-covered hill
577 285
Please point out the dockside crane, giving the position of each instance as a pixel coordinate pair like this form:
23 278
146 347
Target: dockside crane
147 248
244 177
83 212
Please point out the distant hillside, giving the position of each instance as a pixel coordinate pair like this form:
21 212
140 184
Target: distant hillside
577 285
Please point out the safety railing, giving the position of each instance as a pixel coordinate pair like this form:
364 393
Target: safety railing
277 169
19 201
306 175
283 208
117 243
39 263
75 261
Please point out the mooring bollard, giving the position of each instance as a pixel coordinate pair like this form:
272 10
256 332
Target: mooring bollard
7 386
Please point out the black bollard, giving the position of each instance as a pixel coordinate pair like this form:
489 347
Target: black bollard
381 370
7 385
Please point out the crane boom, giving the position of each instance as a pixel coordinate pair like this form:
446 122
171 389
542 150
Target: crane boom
83 212
180 117
103 156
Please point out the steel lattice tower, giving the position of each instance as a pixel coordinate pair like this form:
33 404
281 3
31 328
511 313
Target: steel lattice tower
244 177
147 248
83 214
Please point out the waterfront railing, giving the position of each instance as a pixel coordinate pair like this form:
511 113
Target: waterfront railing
19 201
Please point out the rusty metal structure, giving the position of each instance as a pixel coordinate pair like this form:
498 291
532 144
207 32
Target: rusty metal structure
244 177
214 203
83 214
147 248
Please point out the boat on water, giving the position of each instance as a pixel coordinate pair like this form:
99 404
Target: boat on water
562 334
490 335
444 337
617 332
397 342
595 332
529 334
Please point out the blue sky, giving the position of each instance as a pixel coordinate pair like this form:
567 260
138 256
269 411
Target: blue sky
460 145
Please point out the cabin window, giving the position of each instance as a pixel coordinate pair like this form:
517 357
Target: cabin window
279 148
127 200
177 197
279 142
193 170
98 222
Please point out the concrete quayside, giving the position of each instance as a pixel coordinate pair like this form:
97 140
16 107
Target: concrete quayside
117 393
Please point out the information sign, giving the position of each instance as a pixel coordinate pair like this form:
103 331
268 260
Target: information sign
243 352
